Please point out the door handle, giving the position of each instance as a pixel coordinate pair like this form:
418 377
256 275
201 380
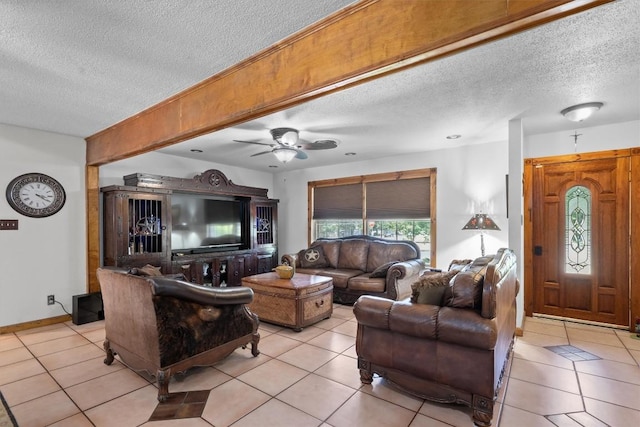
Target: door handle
537 250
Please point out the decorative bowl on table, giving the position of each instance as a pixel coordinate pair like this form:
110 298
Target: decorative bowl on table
284 271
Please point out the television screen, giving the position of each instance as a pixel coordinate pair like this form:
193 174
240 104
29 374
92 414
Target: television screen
200 222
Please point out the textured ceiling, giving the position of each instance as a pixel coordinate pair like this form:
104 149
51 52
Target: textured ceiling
77 67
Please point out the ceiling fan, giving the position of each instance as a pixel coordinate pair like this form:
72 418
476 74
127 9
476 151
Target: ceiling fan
287 145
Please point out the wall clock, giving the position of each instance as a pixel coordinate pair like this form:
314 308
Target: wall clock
36 195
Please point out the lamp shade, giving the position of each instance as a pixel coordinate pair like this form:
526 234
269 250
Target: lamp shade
285 154
481 222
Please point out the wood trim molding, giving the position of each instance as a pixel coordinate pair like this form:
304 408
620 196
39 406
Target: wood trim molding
342 50
92 188
386 176
625 152
634 256
34 324
527 183
634 218
209 181
431 173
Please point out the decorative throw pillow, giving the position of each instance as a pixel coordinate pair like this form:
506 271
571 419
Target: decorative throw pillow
382 270
431 287
466 288
312 258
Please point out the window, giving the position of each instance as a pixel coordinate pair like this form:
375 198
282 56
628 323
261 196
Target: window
578 230
396 206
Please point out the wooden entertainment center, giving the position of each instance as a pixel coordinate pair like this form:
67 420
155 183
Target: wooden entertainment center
138 227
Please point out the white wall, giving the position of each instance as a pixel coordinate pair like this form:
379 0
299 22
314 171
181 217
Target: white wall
45 255
597 138
469 180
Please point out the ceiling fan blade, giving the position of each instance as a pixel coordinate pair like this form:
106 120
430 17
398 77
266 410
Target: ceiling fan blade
254 142
261 153
301 155
322 144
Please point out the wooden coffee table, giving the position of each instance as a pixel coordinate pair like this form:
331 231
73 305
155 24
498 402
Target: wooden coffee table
297 302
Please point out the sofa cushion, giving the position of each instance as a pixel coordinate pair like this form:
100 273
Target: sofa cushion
353 255
312 258
431 286
465 290
365 283
341 278
382 270
383 252
331 250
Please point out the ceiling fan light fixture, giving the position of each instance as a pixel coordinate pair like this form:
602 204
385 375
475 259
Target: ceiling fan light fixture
580 112
290 138
284 154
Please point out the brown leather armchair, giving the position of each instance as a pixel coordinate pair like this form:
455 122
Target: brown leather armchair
452 352
163 326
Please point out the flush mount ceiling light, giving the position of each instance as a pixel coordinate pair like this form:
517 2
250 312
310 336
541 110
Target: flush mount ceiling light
580 112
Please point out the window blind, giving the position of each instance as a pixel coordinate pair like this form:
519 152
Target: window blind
338 202
399 199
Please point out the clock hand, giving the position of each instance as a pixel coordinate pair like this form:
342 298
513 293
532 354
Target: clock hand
42 197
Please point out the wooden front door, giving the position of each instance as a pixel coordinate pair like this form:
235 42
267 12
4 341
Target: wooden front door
580 239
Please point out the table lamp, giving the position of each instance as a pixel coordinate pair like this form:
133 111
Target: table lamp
481 222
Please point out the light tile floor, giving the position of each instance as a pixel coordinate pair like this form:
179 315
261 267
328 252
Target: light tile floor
55 376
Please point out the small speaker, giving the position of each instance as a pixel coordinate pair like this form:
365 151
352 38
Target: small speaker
87 308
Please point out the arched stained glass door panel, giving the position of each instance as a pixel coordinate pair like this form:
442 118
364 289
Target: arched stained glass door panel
577 204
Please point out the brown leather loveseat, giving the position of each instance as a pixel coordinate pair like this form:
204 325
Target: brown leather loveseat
361 265
452 349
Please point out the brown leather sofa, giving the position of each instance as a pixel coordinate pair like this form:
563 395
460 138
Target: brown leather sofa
164 326
361 265
452 352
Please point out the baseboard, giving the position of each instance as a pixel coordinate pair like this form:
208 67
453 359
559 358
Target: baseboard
34 324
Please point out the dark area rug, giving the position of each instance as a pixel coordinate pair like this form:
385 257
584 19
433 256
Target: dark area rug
6 417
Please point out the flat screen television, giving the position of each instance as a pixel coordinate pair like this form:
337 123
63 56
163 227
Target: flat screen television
201 223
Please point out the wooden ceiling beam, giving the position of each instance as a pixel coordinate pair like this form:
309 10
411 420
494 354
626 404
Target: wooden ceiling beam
364 41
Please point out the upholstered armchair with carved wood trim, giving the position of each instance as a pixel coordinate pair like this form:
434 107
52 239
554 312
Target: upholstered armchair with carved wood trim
164 326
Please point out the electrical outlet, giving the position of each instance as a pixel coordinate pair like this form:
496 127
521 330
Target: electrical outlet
51 299
8 224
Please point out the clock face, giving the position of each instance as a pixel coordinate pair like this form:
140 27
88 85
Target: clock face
36 195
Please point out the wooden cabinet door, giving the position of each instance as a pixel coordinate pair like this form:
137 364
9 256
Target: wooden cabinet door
235 270
136 228
250 264
265 263
580 239
264 217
